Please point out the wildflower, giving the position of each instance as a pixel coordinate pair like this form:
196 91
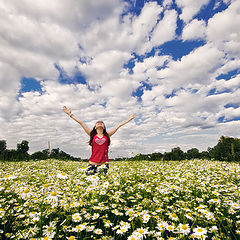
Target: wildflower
210 216
2 212
71 238
26 193
53 197
125 224
161 225
102 192
122 230
235 205
93 178
135 236
79 228
189 216
199 232
87 216
90 188
213 229
49 230
95 216
74 204
32 231
146 218
169 227
90 228
76 217
62 175
184 228
173 216
142 231
108 223
212 201
105 184
98 231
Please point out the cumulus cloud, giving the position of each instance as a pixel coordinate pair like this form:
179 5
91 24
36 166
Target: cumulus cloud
194 68
194 30
223 29
190 8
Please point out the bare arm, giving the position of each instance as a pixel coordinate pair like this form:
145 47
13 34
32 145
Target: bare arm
84 126
112 131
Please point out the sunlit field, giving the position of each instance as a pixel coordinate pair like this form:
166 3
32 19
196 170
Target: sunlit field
53 199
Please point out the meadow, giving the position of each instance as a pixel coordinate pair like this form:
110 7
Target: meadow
53 199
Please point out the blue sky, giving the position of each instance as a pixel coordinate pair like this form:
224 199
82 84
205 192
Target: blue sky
175 63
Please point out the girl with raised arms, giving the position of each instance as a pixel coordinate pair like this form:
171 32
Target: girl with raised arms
99 140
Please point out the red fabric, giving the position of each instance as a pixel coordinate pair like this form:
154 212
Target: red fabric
99 150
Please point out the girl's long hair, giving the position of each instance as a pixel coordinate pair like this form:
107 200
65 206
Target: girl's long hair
94 132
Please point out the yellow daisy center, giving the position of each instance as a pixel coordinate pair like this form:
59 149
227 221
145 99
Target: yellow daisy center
184 227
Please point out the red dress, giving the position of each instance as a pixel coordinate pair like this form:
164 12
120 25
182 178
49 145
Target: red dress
99 150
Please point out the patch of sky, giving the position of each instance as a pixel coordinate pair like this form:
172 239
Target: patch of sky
29 85
180 23
104 104
139 119
223 120
209 10
194 90
134 7
228 75
178 48
173 93
232 105
139 91
64 78
130 65
214 91
163 66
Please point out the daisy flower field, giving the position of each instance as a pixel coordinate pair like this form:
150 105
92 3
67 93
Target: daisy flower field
54 199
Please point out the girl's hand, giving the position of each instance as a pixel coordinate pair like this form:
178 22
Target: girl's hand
67 111
131 117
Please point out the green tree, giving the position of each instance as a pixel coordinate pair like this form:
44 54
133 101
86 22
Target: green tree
39 155
204 155
22 150
193 153
3 146
23 147
227 149
177 154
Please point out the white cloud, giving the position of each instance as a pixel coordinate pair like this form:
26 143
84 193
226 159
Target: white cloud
223 30
190 8
165 29
194 30
163 32
194 68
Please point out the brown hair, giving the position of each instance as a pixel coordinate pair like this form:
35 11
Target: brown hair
94 132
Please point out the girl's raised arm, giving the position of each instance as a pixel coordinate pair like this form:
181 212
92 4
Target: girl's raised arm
112 131
84 126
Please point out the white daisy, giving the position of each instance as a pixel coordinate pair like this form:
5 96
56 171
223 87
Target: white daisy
76 217
98 231
184 228
53 197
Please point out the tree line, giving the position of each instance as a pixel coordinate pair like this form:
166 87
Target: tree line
21 153
227 149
